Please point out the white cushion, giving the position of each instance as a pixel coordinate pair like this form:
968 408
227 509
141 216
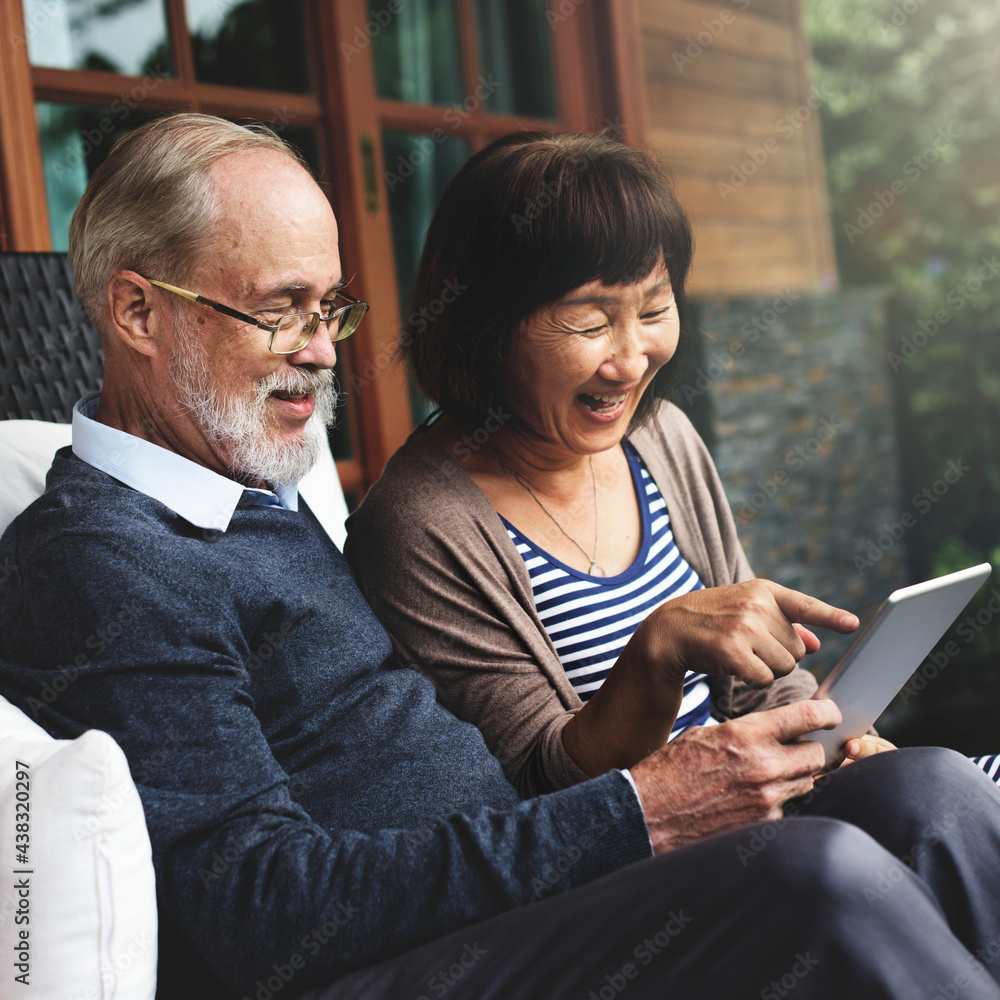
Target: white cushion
26 451
84 893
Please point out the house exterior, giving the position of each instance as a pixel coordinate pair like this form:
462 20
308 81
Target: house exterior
387 98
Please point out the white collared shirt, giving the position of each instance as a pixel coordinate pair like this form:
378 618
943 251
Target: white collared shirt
199 495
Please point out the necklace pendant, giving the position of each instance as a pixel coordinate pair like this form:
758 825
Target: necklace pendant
596 570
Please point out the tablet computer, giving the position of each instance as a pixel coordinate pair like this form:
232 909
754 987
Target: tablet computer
889 649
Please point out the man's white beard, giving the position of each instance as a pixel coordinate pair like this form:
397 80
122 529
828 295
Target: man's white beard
242 427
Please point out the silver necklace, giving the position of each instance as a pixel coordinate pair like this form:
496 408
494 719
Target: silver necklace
594 569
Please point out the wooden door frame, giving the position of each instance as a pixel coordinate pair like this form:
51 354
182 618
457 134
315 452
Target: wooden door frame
595 48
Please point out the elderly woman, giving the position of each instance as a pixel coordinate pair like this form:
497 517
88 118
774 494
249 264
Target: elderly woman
555 550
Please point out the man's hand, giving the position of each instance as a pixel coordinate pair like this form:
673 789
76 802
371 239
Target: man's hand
715 778
753 630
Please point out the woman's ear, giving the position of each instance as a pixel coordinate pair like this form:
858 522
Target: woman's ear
131 312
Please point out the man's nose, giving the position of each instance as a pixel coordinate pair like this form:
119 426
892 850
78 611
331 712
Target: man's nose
321 351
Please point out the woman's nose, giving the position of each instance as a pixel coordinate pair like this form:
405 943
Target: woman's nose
628 357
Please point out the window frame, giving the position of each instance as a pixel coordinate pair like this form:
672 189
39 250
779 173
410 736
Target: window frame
350 119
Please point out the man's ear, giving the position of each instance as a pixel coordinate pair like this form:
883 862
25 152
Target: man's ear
132 316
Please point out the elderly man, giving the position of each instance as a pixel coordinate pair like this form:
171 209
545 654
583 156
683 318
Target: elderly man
318 817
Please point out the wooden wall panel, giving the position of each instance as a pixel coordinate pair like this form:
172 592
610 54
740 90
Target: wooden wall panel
733 30
711 156
730 108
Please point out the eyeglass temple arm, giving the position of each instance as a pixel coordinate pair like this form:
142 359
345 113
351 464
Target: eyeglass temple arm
212 304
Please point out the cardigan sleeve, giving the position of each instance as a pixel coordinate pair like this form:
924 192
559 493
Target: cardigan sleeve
434 562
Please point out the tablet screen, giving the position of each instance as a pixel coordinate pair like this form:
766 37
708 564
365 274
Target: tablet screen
888 651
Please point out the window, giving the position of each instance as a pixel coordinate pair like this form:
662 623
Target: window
386 100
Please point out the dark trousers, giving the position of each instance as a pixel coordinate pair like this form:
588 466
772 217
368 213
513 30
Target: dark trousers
883 882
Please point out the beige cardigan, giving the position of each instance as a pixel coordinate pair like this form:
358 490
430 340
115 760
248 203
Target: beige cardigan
441 573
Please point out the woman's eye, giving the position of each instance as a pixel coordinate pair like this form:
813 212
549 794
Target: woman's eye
657 313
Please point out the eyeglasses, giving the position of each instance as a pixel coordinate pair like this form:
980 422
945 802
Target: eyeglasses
291 333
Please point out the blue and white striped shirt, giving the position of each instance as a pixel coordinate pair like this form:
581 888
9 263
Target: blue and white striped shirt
590 619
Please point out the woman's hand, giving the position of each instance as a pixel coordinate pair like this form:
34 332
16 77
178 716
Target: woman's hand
755 631
865 746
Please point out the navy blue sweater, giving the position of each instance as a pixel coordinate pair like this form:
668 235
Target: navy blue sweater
290 769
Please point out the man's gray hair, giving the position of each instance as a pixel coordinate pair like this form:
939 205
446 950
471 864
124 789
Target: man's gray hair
150 206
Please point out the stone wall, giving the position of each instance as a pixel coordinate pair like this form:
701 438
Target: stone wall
793 394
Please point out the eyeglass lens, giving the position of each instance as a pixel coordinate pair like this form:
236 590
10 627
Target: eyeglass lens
294 332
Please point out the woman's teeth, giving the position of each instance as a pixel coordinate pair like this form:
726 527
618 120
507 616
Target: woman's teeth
603 401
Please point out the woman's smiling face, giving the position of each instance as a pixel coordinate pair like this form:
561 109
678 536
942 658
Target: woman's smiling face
581 363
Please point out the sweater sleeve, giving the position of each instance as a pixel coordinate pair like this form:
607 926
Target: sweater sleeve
433 561
241 868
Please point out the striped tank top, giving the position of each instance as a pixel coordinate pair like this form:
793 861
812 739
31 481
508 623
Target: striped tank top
590 619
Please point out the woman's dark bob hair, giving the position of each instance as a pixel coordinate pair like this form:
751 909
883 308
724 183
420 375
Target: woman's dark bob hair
526 220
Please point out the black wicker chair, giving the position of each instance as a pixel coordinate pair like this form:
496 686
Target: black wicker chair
50 353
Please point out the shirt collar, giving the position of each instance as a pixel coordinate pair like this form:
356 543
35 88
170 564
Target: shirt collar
200 496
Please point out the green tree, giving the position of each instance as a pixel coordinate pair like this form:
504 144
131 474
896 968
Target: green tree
911 132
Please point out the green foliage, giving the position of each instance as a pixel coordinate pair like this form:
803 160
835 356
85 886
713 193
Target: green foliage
911 132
